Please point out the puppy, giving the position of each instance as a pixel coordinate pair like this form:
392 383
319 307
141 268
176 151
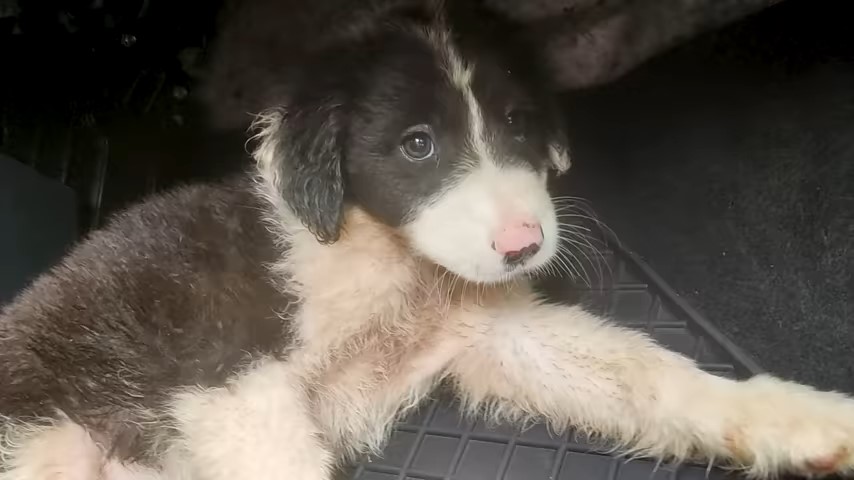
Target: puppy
275 325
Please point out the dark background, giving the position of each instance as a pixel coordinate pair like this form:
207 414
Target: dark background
728 163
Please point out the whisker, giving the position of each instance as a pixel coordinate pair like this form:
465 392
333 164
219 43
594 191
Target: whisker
583 240
581 236
551 269
587 279
570 199
562 267
453 288
574 226
572 266
583 243
446 292
437 282
592 217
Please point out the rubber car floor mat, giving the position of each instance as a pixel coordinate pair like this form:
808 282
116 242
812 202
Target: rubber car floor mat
436 443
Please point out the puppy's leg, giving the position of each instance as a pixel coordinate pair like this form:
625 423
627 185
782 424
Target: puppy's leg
566 366
257 427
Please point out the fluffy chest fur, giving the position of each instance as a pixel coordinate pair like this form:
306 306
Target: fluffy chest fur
376 326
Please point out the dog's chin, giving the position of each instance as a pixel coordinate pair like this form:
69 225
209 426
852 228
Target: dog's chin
496 277
496 271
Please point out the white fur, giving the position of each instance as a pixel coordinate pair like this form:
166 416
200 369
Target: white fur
457 229
258 426
48 450
567 367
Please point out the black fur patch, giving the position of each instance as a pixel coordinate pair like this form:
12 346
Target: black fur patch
172 293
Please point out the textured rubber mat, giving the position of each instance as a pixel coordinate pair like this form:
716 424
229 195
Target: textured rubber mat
435 443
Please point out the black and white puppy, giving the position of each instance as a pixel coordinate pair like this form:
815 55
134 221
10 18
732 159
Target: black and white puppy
274 326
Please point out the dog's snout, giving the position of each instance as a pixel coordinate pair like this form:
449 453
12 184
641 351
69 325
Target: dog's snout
518 240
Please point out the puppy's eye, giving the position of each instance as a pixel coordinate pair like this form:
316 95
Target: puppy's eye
417 146
518 121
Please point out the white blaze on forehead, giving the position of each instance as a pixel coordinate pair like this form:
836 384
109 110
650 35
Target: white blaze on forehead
477 131
460 74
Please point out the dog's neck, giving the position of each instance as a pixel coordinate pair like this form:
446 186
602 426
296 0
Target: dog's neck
369 279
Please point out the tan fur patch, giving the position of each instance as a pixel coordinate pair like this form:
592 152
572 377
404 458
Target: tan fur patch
736 444
831 463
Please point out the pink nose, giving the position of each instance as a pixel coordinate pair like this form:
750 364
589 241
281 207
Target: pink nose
518 240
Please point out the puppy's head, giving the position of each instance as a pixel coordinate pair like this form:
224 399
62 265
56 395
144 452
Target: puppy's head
446 134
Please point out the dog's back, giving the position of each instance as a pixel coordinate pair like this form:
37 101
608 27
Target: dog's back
173 292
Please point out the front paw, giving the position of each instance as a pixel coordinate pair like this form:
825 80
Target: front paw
782 427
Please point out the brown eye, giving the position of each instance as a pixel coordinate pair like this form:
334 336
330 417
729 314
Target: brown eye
417 146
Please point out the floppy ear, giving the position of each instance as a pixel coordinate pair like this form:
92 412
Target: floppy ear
559 148
299 159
